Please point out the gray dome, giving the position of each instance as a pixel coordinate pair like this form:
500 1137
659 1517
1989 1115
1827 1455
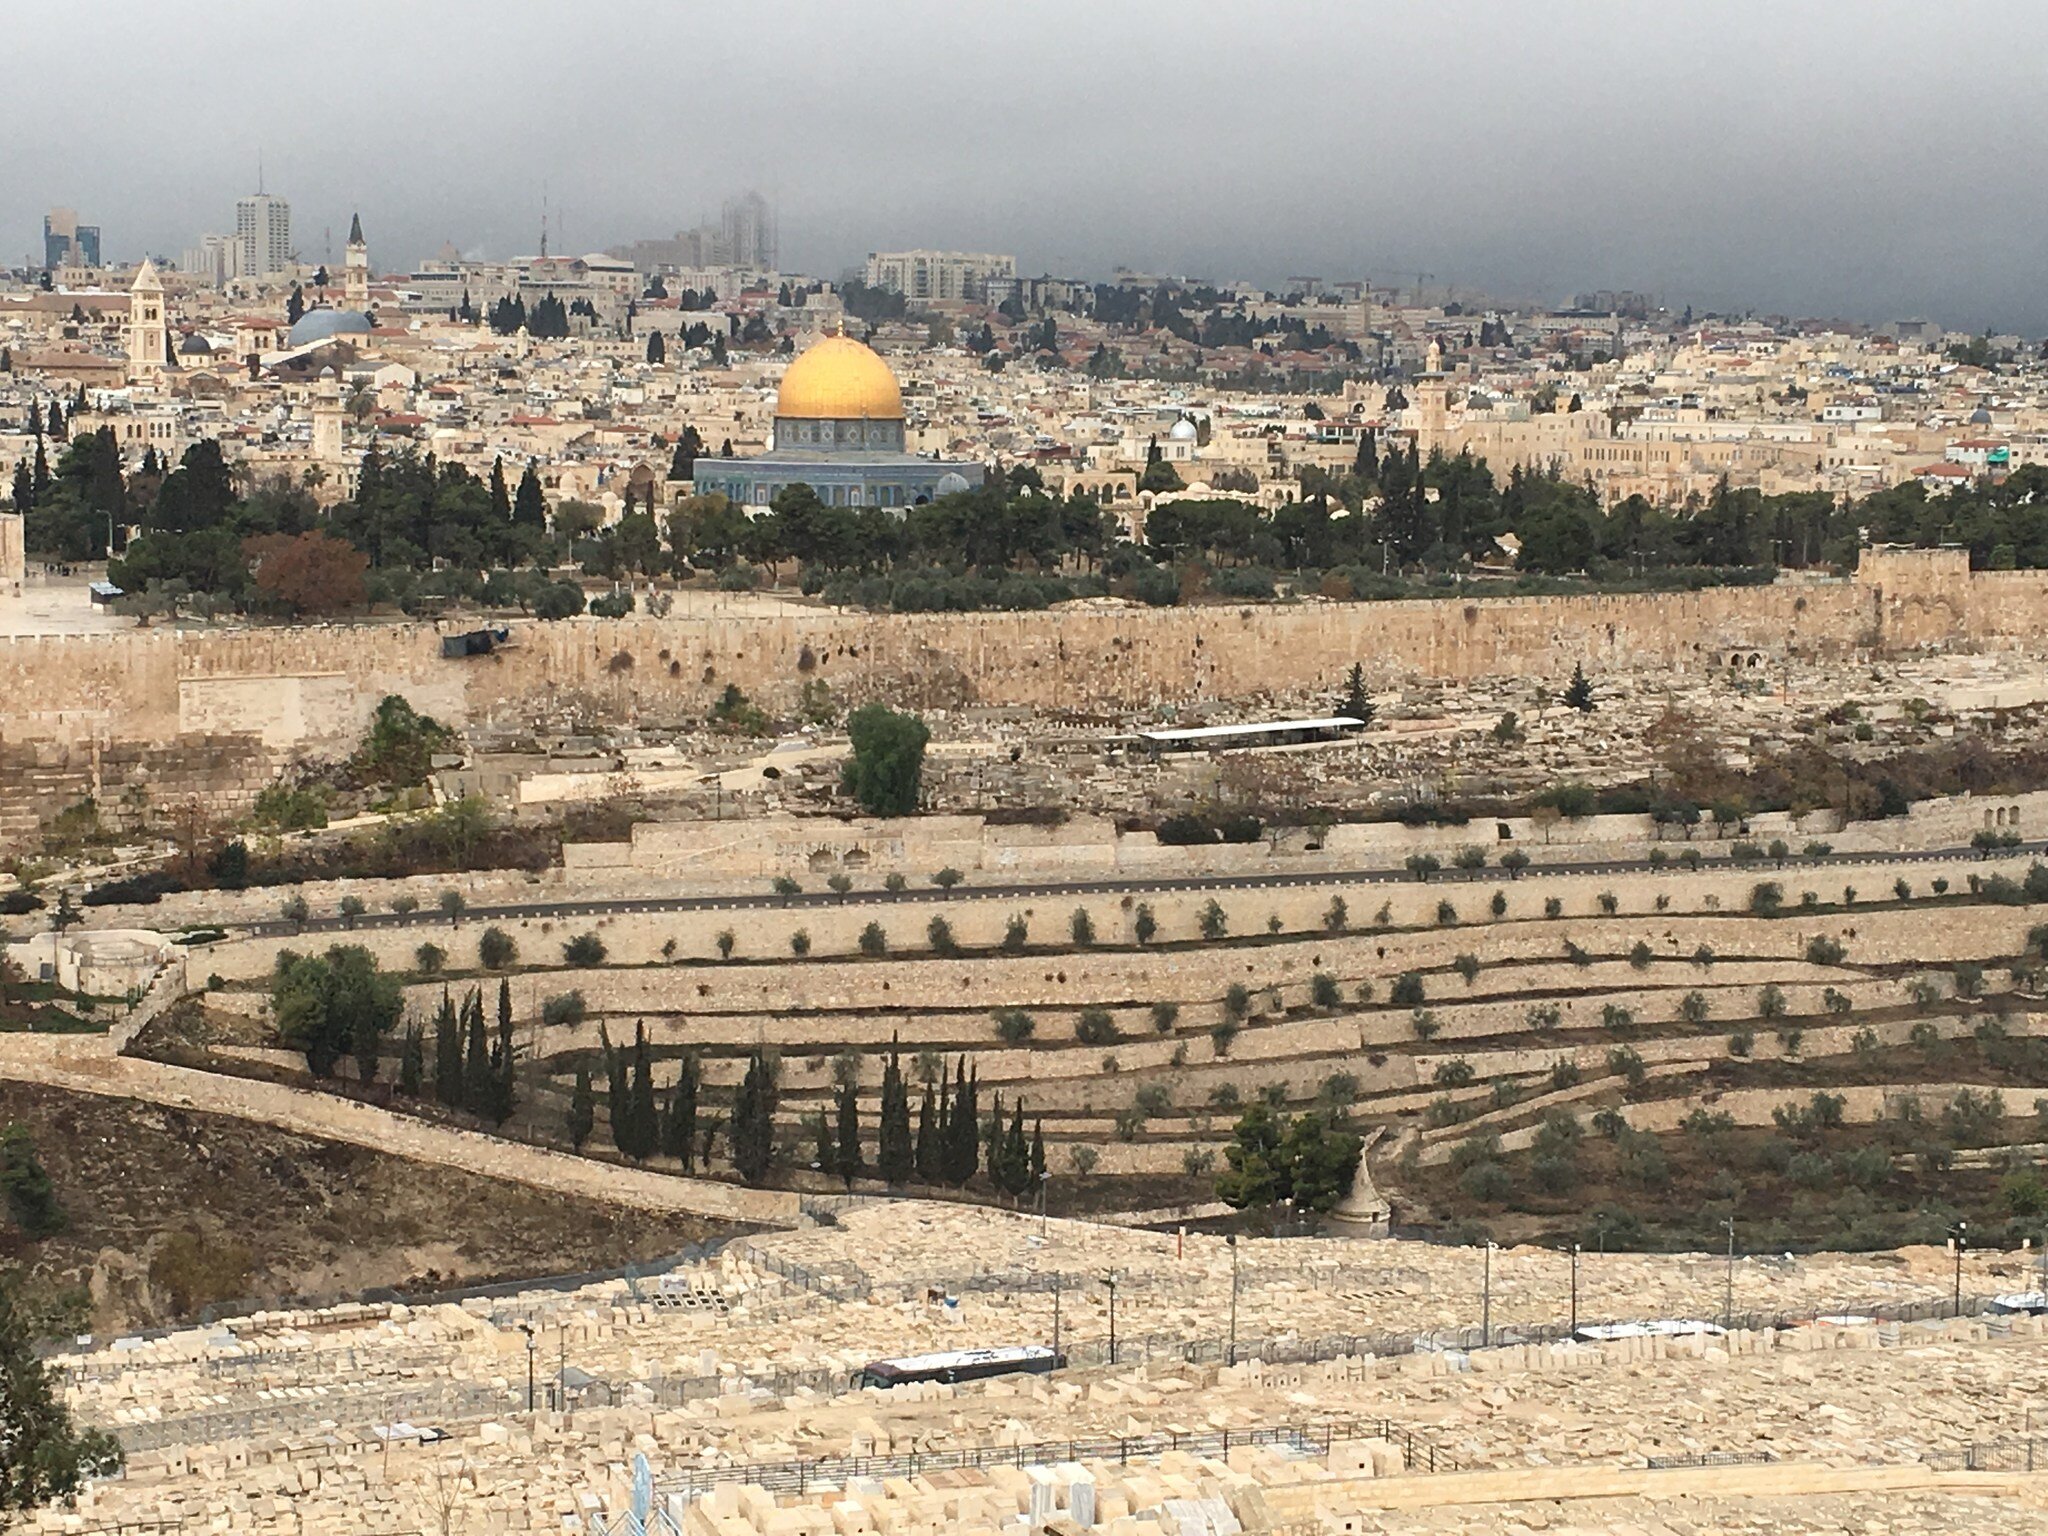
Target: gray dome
196 345
1981 417
325 324
951 483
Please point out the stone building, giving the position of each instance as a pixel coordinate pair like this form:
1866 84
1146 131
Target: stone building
839 428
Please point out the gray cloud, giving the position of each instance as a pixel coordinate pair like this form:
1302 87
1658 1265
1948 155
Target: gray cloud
1855 157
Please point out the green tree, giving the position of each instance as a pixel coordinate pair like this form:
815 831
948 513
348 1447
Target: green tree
333 1005
1578 693
887 765
412 1062
679 1126
848 1163
895 1154
31 1195
447 1054
753 1121
476 1056
1356 702
931 1139
1255 1172
43 1456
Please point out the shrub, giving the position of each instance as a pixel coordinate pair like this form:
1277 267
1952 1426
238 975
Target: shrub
1902 890
1164 1015
1703 957
895 883
1969 979
1818 850
1212 923
1693 1008
496 951
1744 853
1488 1183
584 949
1609 1122
1273 922
1444 1111
1096 1027
1822 950
1766 898
800 942
1498 904
1014 1025
1575 954
1689 857
1565 1073
429 958
1863 1046
1514 861
1504 1093
1424 1023
1222 1033
1225 1096
1641 1161
873 941
1423 865
1454 1074
1659 858
1770 1001
1407 990
1324 991
939 935
1446 914
563 1010
1615 1018
1467 966
1626 1064
1541 1016
1197 1162
1471 856
839 884
1639 955
1609 902
1338 1090
782 885
294 909
1789 1040
1337 916
1081 927
1741 1042
1553 906
1143 924
726 940
947 878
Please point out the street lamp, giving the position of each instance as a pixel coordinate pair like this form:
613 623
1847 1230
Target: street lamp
1728 1288
1044 1179
1232 1240
1110 1281
1058 1285
1486 1301
1575 1290
1958 1240
527 1329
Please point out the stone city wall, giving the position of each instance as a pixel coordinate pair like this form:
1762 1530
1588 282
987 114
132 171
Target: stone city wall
310 688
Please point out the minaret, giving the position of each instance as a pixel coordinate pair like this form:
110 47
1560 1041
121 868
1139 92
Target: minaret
356 292
149 335
327 419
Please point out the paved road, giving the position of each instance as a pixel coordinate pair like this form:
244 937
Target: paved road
1133 886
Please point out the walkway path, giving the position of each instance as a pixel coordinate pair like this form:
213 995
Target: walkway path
87 1064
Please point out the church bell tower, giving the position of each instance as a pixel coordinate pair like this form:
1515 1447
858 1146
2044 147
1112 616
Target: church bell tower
149 333
356 276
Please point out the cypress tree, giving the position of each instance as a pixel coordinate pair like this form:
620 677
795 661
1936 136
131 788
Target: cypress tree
1016 1156
582 1107
501 498
645 1134
411 1062
963 1128
1038 1151
895 1157
529 506
753 1118
824 1151
503 1058
849 1163
447 1054
930 1138
476 1062
992 1143
24 486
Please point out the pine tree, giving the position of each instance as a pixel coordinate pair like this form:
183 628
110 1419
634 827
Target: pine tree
529 506
582 1108
411 1062
895 1155
849 1164
447 1054
476 1060
1578 694
294 306
930 1139
1356 703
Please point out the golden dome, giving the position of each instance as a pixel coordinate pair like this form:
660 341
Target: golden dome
839 379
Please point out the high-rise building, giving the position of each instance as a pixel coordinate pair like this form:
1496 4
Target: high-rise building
746 231
68 243
940 275
263 225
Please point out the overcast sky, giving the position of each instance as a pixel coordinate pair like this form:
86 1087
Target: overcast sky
1866 158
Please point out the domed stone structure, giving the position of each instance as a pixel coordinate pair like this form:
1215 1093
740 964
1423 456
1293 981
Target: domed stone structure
326 324
839 428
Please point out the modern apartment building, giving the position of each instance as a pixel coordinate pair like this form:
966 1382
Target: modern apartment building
263 226
938 275
68 243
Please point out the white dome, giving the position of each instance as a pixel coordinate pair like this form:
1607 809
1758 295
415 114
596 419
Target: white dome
1184 431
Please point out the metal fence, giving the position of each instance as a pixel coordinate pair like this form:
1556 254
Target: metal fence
2021 1455
1713 1459
801 1476
449 1403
